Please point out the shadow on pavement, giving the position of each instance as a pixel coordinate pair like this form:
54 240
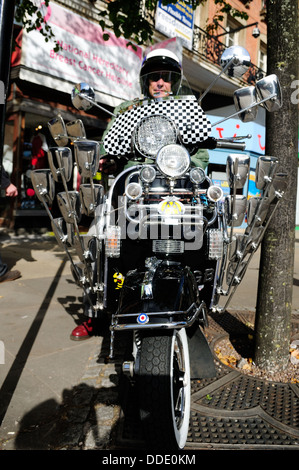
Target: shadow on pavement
15 372
52 426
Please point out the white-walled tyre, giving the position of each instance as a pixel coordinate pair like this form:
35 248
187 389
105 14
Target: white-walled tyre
164 389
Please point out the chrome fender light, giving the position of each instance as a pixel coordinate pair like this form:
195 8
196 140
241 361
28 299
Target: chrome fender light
197 175
173 161
215 238
147 174
133 191
215 193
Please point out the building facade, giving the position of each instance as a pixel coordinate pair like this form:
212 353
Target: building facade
42 80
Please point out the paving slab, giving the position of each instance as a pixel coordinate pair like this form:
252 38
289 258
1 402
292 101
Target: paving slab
59 394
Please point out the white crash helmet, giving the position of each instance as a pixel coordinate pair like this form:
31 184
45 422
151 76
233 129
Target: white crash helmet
161 60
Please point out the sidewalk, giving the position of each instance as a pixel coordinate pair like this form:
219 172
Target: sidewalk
56 393
42 366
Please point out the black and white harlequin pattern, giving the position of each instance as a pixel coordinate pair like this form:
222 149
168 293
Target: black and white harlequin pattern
188 116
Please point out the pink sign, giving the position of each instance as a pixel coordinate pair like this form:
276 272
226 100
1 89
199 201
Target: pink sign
111 67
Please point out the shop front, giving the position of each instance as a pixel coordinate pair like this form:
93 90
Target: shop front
41 85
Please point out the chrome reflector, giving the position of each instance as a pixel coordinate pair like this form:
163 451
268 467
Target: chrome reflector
112 241
215 238
168 246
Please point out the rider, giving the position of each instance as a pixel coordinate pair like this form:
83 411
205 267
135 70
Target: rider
160 75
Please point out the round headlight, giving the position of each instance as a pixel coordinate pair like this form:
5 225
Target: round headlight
173 161
197 175
152 133
133 191
148 174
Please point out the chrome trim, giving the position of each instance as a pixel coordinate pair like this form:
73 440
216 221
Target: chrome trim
147 283
159 326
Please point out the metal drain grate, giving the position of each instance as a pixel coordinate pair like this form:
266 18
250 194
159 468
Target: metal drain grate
243 392
230 410
210 430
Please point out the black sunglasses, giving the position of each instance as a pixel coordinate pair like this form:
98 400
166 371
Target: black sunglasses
156 76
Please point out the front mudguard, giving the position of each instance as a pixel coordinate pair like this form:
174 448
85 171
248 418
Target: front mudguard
174 288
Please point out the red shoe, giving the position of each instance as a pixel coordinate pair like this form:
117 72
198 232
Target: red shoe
83 331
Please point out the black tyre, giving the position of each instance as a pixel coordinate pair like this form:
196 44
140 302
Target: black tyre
164 390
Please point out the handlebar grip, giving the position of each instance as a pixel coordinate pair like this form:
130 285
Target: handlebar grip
211 143
230 145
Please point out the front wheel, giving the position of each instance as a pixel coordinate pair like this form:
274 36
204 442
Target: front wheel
164 389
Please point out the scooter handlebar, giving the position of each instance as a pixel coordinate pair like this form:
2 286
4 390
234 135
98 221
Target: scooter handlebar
230 145
211 143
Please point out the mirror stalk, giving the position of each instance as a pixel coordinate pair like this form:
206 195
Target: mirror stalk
245 109
215 79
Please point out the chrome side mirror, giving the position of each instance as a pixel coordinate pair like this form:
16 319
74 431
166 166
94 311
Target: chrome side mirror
87 156
279 186
83 96
237 169
44 186
235 60
244 98
235 215
76 130
60 162
89 199
267 87
61 232
265 169
70 206
260 206
58 131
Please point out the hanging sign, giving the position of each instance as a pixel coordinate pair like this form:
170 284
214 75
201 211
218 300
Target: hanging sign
176 19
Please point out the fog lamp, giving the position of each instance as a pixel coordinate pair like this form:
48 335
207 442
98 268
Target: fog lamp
133 191
215 193
152 133
148 174
197 175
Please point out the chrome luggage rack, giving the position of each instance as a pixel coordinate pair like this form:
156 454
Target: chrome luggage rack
143 320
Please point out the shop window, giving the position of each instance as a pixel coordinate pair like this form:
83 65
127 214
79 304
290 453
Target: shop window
232 38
